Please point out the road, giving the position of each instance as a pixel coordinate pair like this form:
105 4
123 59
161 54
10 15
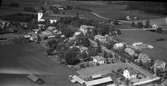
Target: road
30 58
99 16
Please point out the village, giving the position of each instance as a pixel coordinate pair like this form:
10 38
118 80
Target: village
92 48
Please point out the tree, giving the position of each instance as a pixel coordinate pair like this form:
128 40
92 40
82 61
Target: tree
0 3
140 25
133 24
159 30
71 56
52 43
147 24
83 40
119 32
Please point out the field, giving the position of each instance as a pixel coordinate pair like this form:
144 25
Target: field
32 57
115 10
22 59
112 10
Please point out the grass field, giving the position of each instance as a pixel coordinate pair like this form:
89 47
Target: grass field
106 10
30 58
114 10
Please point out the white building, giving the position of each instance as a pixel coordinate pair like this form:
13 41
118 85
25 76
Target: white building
75 79
126 74
99 81
118 45
40 15
98 60
130 51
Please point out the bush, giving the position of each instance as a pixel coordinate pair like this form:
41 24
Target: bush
140 25
50 52
147 24
71 56
119 32
133 24
116 22
159 30
52 43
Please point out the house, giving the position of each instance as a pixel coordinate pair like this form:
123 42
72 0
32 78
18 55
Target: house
130 51
51 28
96 76
126 74
84 28
40 15
99 81
118 45
58 6
145 81
100 38
141 45
82 49
98 60
159 64
93 43
144 58
75 79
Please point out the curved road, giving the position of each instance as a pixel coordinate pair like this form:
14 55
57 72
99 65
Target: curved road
99 16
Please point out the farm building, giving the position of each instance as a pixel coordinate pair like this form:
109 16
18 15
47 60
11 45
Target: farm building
99 81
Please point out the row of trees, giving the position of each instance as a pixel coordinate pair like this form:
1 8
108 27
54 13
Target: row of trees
141 24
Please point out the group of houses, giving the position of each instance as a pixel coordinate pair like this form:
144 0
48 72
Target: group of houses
101 42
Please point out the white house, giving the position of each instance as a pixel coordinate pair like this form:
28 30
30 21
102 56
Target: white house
98 60
53 21
126 74
40 15
159 64
118 45
75 79
130 51
84 28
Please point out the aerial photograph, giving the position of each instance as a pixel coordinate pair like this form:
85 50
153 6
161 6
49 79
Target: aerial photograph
83 43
